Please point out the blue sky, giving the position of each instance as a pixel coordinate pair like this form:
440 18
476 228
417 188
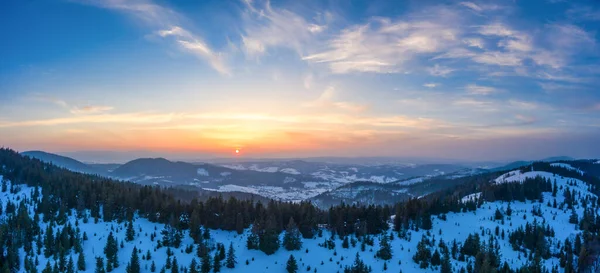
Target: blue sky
452 79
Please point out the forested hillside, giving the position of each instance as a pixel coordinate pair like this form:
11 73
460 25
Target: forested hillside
540 218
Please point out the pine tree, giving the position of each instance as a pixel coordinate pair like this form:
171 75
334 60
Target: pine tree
446 265
175 266
153 267
385 249
436 259
134 262
81 262
292 265
291 239
130 233
269 238
358 266
574 218
110 250
48 242
193 266
216 263
99 265
230 263
70 265
205 267
345 243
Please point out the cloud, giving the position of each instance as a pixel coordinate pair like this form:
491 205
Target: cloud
266 26
431 85
472 6
475 89
90 109
478 8
327 100
384 45
126 118
523 104
167 24
474 42
438 70
498 58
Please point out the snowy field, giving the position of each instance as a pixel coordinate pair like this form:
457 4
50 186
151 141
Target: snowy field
457 227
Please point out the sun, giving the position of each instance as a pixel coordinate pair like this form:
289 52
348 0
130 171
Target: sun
237 151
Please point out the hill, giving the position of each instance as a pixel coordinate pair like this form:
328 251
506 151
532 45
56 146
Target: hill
63 161
536 219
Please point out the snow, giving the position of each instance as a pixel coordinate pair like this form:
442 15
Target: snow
457 226
382 179
471 197
235 167
412 181
293 194
566 166
202 172
225 174
289 171
597 162
231 188
288 179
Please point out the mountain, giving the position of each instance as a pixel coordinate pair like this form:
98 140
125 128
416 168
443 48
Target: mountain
63 161
542 218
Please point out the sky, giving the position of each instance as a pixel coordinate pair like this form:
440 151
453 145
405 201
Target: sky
481 80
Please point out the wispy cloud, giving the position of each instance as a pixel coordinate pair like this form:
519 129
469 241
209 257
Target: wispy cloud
438 70
384 45
167 23
431 85
73 109
126 118
475 89
266 26
91 109
524 105
329 99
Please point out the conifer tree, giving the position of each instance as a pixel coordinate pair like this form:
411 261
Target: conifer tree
70 265
385 249
291 239
193 266
216 263
230 263
269 237
222 254
175 266
446 266
81 262
292 265
99 265
110 250
205 267
358 266
130 233
134 262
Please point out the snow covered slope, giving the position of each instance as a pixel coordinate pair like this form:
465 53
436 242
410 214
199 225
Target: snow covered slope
456 226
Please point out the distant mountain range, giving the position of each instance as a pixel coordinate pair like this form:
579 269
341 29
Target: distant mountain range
65 162
324 183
